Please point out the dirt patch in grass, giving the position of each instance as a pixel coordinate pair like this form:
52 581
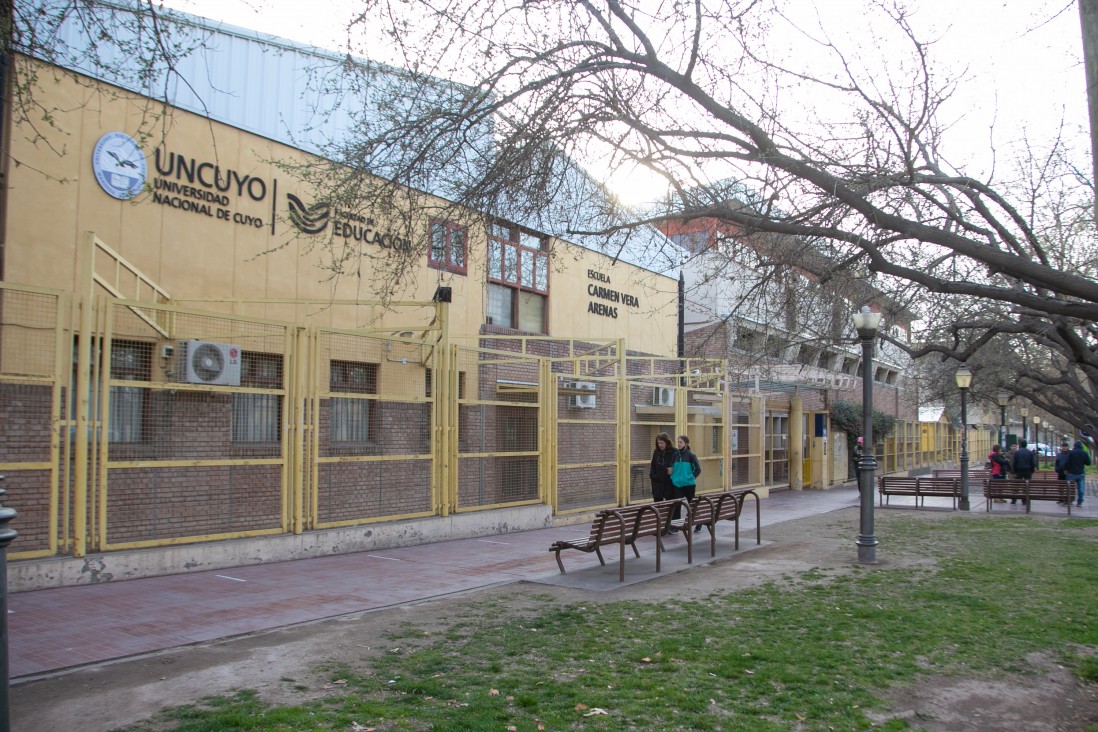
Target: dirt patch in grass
1048 698
290 665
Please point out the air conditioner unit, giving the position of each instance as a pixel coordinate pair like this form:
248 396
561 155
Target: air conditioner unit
584 401
210 363
663 396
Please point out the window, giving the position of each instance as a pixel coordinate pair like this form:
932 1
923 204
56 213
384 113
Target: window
447 250
258 417
130 360
776 346
518 278
748 340
353 420
694 242
518 432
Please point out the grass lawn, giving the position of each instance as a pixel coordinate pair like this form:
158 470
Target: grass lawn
813 651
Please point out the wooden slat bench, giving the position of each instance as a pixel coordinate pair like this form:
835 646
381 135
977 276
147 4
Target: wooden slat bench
706 510
623 527
975 477
743 493
919 489
1030 490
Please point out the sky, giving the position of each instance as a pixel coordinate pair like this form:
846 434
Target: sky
1022 61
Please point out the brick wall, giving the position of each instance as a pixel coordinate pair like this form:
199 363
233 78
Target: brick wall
350 491
25 430
145 504
25 422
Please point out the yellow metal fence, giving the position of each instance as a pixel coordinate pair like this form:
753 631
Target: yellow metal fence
137 423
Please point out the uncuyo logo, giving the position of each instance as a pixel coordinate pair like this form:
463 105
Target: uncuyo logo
119 165
308 219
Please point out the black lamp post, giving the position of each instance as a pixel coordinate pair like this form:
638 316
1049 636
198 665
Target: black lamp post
866 323
1024 412
1037 433
964 381
1002 397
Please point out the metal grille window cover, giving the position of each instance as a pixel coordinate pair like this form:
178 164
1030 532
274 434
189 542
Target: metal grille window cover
155 413
353 420
128 411
258 417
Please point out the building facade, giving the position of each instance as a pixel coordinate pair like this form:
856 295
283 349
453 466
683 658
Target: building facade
209 358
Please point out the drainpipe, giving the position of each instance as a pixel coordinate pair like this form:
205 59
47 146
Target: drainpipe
682 329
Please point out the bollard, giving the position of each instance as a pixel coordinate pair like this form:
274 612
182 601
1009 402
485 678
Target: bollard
6 536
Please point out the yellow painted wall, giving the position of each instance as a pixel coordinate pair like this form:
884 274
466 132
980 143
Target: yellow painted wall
54 198
649 323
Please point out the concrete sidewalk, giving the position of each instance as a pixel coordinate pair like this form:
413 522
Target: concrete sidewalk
56 629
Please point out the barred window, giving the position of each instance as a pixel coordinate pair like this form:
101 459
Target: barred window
132 361
258 417
353 420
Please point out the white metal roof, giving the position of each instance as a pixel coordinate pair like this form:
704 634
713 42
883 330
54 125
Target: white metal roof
296 94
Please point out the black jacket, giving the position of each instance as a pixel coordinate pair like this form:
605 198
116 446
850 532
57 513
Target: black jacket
661 461
1078 460
1024 461
1061 464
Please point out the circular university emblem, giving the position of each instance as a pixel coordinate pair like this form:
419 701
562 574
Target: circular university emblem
119 165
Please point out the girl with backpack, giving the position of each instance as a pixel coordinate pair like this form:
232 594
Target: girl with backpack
685 477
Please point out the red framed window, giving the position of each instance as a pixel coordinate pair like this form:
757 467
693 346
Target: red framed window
447 246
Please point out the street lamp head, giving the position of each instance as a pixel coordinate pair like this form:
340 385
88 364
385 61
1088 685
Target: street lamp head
1002 397
1036 420
866 322
964 377
1024 412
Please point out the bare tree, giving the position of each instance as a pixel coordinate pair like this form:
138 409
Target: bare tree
1045 359
838 154
858 176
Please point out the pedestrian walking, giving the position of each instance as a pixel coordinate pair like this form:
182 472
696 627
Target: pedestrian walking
1075 469
1061 466
856 456
689 490
663 458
